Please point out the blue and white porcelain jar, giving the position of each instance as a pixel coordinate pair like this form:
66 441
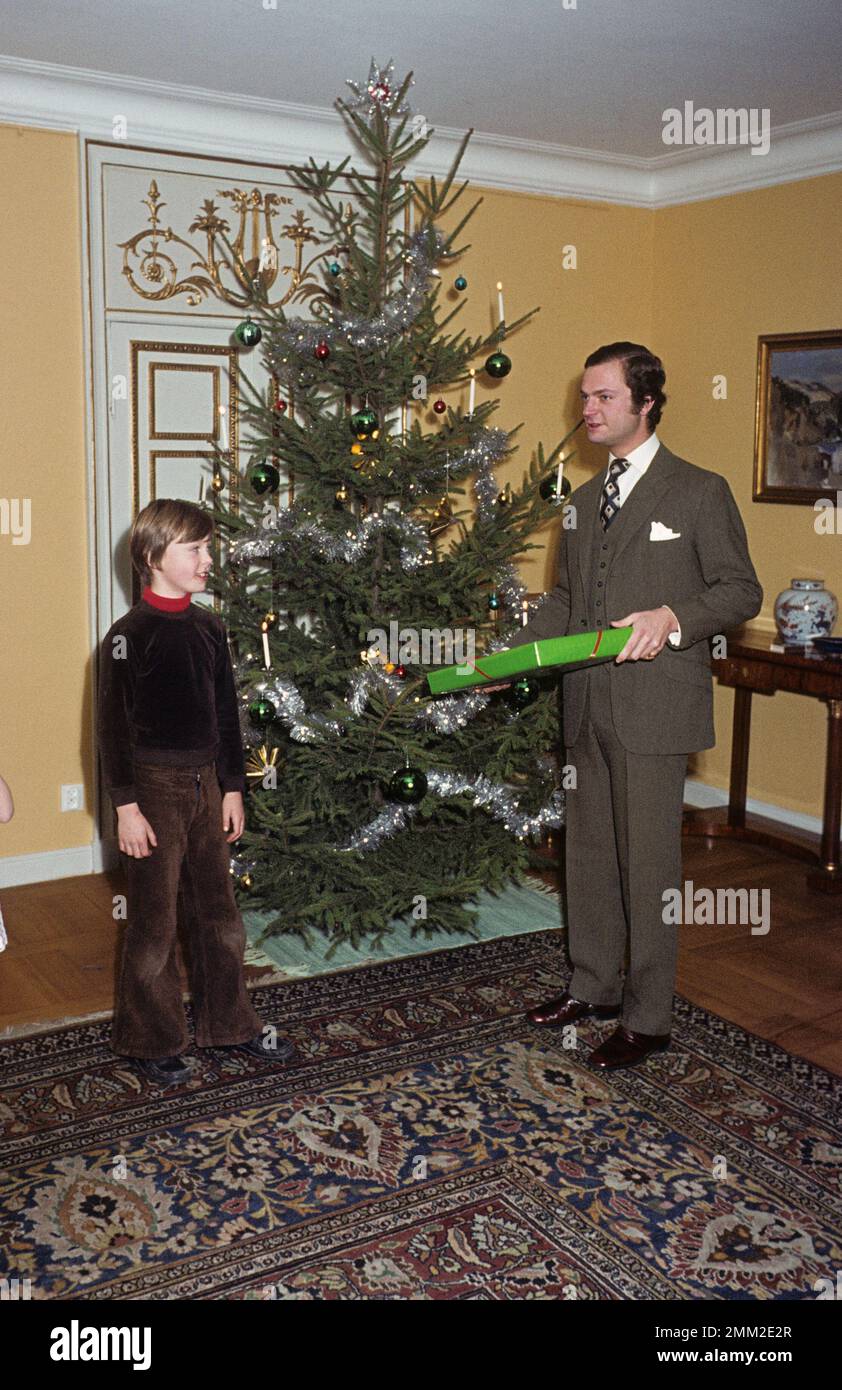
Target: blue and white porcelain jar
804 611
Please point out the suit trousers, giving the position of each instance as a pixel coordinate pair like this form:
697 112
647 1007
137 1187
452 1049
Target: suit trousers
623 850
185 878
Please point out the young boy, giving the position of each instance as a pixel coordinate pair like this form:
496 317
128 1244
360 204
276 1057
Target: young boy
169 739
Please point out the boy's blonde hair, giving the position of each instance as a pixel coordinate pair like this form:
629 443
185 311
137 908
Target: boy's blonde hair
162 521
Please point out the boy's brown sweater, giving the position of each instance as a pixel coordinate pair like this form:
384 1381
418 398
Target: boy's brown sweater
167 695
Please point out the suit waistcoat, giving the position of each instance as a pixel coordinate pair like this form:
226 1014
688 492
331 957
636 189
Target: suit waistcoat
600 552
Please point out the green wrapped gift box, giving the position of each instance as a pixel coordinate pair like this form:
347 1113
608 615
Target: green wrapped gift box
571 653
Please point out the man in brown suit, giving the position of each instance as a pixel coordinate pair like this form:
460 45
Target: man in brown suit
659 543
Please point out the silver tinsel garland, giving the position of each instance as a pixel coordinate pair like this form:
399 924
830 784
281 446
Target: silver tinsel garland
452 712
424 248
367 680
291 710
294 525
266 542
498 800
446 715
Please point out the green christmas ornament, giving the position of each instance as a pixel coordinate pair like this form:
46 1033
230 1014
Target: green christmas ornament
264 477
364 422
248 333
523 692
408 786
334 267
498 365
494 602
549 488
261 711
460 282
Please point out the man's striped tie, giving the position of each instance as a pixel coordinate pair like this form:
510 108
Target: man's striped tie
609 506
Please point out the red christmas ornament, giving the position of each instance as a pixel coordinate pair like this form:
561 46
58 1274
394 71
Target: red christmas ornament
439 406
322 351
401 672
280 405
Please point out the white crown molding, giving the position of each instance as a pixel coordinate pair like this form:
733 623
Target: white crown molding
54 97
801 150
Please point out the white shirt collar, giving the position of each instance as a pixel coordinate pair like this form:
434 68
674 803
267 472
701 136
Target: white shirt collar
641 457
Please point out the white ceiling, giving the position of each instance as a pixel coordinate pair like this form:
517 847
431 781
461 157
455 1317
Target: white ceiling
595 78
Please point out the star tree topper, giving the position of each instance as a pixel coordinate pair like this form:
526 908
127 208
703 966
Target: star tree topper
379 91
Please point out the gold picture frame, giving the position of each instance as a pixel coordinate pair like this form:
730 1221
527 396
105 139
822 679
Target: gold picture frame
798 424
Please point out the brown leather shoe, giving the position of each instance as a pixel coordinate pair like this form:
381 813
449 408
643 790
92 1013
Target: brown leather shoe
557 1012
625 1048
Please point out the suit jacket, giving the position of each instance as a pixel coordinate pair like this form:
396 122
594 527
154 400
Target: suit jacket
705 575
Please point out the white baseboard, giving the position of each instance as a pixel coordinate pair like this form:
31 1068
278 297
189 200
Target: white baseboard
20 869
704 795
96 858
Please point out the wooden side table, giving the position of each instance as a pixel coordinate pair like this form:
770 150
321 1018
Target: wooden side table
752 667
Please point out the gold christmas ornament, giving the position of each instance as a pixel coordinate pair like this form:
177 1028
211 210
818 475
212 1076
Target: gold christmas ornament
259 760
217 482
442 517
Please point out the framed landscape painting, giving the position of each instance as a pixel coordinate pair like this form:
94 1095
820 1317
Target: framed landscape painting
798 428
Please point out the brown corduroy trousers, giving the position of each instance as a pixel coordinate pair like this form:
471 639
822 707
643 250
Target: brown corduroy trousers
186 878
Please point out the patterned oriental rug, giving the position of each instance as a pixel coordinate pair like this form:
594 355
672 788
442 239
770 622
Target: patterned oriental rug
429 1144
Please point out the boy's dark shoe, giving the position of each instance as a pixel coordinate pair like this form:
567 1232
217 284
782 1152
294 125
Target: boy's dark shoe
166 1071
283 1051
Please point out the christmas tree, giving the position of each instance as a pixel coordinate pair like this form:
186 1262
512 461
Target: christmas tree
370 800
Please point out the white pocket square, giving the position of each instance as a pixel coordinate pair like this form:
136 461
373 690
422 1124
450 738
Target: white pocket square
659 532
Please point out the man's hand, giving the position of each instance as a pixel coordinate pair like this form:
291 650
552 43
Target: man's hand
233 814
134 832
650 630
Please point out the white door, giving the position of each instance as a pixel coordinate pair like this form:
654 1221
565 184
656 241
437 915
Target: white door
172 396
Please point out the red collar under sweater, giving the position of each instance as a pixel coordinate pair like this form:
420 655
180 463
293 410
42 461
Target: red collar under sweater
167 605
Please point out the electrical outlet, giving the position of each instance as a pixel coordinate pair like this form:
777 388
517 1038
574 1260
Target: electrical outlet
72 797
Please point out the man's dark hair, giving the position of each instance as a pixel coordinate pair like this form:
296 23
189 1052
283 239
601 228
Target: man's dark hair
643 371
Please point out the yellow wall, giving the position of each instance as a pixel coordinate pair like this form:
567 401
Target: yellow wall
696 283
519 239
728 270
44 590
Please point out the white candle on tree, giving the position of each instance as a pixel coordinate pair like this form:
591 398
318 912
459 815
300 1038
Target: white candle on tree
500 301
473 392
